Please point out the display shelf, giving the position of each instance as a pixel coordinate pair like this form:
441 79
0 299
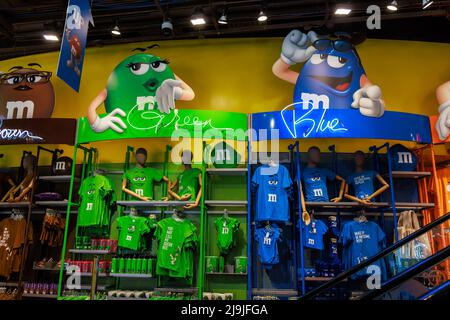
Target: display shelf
275 292
147 204
40 296
8 205
89 274
59 204
127 299
320 279
228 212
9 284
413 206
227 171
225 274
88 287
352 214
107 171
180 290
58 179
131 275
88 251
345 205
226 203
409 174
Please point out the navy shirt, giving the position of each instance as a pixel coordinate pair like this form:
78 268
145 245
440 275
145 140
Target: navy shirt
273 185
402 159
362 183
315 182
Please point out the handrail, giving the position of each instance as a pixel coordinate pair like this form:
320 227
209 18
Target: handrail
443 288
376 257
409 273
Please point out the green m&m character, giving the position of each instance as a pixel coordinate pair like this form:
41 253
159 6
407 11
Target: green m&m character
140 82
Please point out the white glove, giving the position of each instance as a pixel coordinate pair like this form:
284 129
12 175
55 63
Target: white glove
166 94
297 47
443 123
368 101
110 121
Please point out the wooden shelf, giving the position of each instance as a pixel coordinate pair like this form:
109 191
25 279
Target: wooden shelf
147 204
408 174
58 179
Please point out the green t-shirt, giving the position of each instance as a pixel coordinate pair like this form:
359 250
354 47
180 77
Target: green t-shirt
140 180
176 242
188 183
224 156
95 196
226 229
131 229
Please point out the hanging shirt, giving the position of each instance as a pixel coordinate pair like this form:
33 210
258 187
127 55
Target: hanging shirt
188 183
226 230
272 185
131 229
313 234
268 238
96 196
315 183
141 180
362 240
224 156
176 243
362 183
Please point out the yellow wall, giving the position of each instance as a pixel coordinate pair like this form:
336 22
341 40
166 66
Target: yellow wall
235 75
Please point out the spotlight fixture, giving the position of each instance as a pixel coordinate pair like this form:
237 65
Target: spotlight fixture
392 6
51 36
116 31
223 18
426 3
198 18
262 16
343 10
167 27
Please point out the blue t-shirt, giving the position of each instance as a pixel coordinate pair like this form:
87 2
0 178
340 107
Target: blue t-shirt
313 234
273 185
267 238
315 182
362 240
362 183
402 159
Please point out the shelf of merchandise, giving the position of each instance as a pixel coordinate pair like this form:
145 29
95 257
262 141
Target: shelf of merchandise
148 204
132 275
88 251
55 204
409 174
207 174
275 292
39 296
227 171
58 179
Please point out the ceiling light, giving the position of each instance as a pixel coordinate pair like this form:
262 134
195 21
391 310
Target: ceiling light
392 6
116 31
262 16
51 36
223 18
343 10
198 18
426 3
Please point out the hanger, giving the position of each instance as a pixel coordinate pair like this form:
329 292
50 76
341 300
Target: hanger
133 212
225 213
361 218
178 215
268 226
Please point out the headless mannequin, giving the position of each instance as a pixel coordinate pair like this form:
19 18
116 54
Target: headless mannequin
29 163
186 158
360 167
313 162
141 159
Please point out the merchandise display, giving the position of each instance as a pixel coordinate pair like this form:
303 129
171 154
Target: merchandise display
226 233
52 228
132 229
402 158
267 238
313 234
273 186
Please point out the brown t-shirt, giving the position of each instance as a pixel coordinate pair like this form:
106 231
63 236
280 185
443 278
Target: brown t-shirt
12 241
